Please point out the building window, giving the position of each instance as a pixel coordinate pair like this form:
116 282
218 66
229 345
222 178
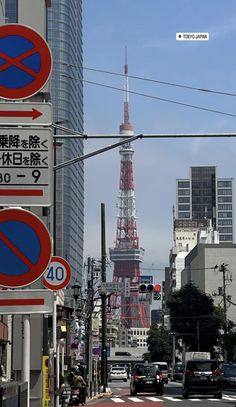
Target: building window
226 238
183 184
225 215
183 207
225 230
224 184
225 191
183 192
184 215
225 222
225 207
184 199
224 199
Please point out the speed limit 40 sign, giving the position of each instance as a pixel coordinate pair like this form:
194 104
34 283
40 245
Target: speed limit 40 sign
58 274
26 166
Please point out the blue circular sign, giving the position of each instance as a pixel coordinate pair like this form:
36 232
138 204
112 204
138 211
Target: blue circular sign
25 61
25 248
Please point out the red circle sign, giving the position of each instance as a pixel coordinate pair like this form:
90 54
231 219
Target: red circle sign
58 274
25 62
25 248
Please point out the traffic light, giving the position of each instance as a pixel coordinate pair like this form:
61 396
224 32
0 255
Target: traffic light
157 291
146 288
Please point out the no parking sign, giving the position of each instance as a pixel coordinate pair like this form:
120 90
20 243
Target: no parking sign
25 248
25 62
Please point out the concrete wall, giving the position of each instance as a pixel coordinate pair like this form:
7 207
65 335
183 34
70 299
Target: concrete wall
199 268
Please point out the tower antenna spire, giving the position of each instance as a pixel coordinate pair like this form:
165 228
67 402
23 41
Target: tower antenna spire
127 253
126 125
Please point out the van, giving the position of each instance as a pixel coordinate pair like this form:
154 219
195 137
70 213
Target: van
202 377
164 369
146 377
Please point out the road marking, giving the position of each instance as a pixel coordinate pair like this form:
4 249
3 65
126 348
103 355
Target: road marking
195 399
153 399
171 398
117 400
214 399
135 399
229 398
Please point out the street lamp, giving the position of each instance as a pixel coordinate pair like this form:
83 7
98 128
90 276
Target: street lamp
76 290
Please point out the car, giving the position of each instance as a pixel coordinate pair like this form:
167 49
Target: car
229 375
202 377
178 372
146 378
117 373
164 369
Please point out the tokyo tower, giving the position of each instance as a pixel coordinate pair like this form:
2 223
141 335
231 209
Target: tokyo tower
127 255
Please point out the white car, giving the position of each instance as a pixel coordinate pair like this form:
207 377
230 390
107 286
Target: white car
118 373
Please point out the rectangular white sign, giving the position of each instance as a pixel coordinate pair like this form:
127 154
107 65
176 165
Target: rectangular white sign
25 113
26 166
26 302
192 36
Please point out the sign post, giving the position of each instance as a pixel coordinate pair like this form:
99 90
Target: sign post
26 169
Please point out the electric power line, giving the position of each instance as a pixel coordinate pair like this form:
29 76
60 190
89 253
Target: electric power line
161 99
154 97
161 82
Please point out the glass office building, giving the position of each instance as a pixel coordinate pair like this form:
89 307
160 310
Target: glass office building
204 196
64 35
65 40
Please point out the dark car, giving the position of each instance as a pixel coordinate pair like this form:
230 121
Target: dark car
146 378
178 372
229 375
202 377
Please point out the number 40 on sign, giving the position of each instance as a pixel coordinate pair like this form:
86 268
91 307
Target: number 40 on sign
58 274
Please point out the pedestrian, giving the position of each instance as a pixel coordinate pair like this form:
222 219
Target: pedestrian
80 384
71 377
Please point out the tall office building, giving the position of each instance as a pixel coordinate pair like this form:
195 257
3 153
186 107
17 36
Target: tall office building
65 40
204 196
64 35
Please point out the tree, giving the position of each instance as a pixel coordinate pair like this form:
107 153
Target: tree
194 318
159 345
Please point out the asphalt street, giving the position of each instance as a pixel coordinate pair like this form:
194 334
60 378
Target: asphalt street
119 394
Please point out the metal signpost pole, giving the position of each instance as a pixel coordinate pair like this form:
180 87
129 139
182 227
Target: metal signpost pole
26 355
54 324
103 300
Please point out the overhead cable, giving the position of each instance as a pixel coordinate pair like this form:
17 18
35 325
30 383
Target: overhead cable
162 99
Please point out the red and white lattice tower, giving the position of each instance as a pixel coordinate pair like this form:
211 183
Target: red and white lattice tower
127 255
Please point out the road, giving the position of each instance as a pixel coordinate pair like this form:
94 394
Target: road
172 396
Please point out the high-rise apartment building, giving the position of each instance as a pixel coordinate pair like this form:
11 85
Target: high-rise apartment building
64 35
204 196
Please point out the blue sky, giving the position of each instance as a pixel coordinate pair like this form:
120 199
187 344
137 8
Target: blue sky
148 28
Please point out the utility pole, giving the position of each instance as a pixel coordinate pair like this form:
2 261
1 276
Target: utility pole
88 324
198 335
223 270
103 301
174 334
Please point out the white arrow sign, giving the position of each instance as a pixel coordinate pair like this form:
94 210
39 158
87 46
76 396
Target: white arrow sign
26 113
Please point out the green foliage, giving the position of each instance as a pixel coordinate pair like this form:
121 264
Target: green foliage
231 346
194 318
159 345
